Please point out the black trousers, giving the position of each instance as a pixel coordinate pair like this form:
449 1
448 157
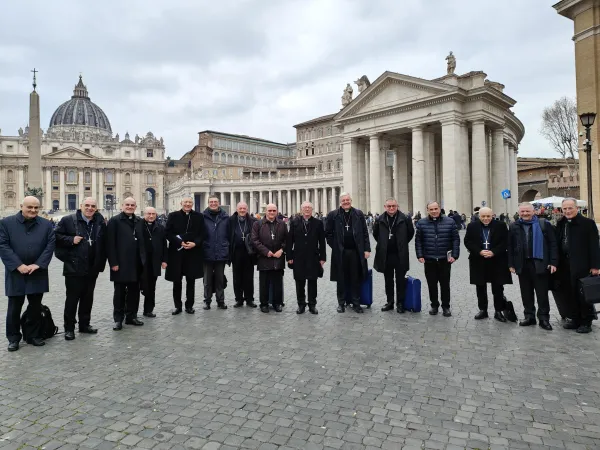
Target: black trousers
579 311
301 294
530 282
149 291
80 292
270 279
351 267
126 301
243 276
190 292
214 281
13 316
438 272
497 292
392 266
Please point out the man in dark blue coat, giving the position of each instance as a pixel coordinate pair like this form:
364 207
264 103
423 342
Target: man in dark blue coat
437 245
216 252
80 245
26 247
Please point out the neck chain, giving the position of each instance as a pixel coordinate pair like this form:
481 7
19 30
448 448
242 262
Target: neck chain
243 231
486 238
188 221
89 233
149 232
347 221
306 226
393 223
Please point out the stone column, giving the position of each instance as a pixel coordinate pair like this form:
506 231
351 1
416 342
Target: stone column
297 200
429 157
361 187
507 170
333 199
418 169
451 183
81 194
61 199
465 166
48 189
479 183
383 180
395 180
514 174
402 163
100 189
94 191
367 176
350 163
270 196
374 175
498 170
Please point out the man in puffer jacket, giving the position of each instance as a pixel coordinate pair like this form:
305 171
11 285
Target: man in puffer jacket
437 245
216 252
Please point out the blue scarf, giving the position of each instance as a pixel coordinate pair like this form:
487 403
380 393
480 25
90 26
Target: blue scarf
538 237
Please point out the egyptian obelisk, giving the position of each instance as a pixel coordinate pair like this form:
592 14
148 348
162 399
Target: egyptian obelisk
34 171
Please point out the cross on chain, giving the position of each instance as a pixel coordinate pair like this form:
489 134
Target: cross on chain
272 235
487 244
90 241
390 235
347 227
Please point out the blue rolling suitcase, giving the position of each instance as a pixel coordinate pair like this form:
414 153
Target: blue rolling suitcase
366 291
412 298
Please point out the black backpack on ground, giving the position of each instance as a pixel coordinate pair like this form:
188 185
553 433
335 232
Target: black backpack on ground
47 327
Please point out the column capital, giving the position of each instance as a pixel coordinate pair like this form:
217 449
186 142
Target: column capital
419 127
478 121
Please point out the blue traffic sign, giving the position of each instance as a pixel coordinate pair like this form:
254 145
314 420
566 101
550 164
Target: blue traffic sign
506 194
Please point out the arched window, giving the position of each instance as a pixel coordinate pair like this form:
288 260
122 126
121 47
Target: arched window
216 156
87 177
127 178
223 157
110 177
10 176
55 176
71 176
150 178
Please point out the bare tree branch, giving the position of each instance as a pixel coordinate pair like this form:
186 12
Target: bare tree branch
559 127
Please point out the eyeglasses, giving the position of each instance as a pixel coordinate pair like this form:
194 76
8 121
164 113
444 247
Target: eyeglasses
271 210
391 206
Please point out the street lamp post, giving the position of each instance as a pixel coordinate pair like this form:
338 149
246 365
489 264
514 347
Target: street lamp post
587 120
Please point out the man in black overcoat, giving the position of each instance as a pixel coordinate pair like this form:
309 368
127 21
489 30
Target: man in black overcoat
393 231
348 237
579 257
185 233
125 265
242 255
81 246
306 254
153 256
533 256
26 246
486 241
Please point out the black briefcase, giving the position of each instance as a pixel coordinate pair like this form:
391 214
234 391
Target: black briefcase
589 287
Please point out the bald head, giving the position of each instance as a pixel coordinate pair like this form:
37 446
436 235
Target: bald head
186 204
242 209
30 207
88 207
149 214
485 215
129 206
271 211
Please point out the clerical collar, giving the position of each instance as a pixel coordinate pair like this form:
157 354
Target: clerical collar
241 218
306 219
86 219
433 218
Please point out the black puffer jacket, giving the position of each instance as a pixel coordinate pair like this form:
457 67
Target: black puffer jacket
435 238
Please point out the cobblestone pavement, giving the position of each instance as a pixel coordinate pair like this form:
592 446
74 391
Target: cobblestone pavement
242 379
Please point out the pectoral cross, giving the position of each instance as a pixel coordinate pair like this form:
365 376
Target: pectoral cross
90 241
272 235
487 244
390 235
243 238
347 226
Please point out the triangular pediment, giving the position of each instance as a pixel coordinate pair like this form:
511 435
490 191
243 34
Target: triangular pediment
391 90
70 153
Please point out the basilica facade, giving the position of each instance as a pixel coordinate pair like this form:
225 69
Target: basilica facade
81 157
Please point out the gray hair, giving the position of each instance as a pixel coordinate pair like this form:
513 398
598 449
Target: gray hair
431 202
525 204
390 199
569 199
345 194
306 202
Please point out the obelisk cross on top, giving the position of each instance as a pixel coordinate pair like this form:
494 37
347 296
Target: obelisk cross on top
34 79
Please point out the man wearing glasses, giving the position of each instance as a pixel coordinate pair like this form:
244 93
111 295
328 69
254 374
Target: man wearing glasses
80 246
393 231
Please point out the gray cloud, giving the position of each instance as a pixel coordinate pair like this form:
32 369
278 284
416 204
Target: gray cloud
257 68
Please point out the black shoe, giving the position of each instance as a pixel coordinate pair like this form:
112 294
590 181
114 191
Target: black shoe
400 309
341 309
433 311
301 310
584 329
176 311
388 307
192 310
238 304
118 326
446 312
264 309
499 316
545 324
69 335
137 322
251 304
482 315
13 346
277 308
36 342
206 307
88 330
527 322
358 309
313 310
149 314
221 306
570 325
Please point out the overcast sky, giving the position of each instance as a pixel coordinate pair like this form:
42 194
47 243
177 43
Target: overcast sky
258 67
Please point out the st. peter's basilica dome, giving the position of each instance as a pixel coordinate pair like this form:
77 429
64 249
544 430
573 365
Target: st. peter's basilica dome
81 111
